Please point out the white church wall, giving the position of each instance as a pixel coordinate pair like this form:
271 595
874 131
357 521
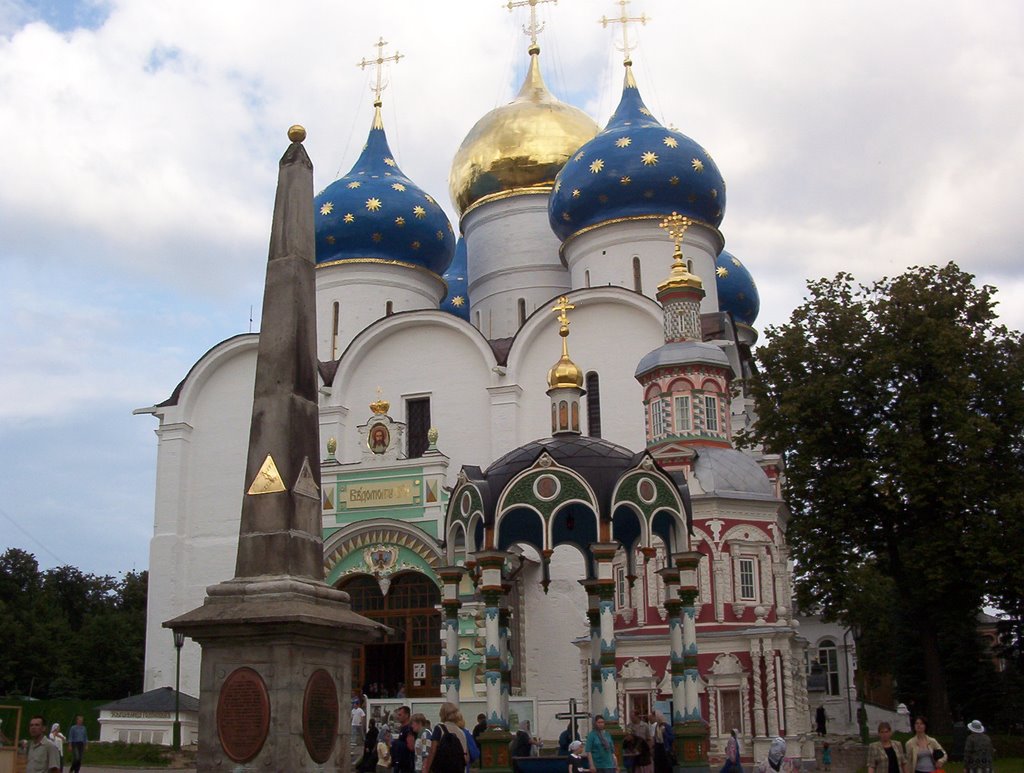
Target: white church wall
611 330
362 292
200 482
604 256
511 254
553 621
433 355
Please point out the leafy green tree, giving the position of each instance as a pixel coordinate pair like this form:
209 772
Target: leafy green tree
899 411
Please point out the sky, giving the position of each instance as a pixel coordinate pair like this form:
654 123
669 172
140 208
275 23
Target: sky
142 138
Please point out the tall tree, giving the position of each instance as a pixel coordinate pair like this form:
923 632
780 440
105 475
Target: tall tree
899 411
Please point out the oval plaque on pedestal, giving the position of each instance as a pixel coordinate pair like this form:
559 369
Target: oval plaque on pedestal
243 714
320 714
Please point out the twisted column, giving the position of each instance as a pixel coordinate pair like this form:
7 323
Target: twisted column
451 576
755 675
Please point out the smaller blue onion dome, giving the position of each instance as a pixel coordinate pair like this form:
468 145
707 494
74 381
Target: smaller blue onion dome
737 292
376 213
635 168
457 300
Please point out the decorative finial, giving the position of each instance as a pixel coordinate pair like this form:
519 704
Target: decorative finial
561 307
432 435
676 226
624 20
565 373
380 406
379 63
332 446
534 27
297 133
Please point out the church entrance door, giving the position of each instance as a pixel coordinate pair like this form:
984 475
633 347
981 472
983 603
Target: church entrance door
411 655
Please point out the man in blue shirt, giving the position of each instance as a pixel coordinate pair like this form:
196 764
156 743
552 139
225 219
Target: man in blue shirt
78 740
601 749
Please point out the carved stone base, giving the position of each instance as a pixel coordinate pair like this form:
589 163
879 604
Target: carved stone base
495 755
276 675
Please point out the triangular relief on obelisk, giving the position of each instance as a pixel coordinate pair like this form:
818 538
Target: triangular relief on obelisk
267 480
306 483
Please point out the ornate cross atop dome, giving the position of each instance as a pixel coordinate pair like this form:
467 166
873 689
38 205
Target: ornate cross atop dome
381 83
534 27
625 21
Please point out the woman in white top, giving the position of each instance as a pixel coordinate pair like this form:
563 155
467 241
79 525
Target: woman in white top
58 739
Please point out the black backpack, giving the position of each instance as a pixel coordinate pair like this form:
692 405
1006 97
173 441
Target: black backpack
451 753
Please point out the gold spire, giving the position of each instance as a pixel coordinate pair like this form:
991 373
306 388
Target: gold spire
675 225
381 83
534 26
625 20
565 372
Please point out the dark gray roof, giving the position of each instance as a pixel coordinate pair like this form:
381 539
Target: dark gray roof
160 699
682 353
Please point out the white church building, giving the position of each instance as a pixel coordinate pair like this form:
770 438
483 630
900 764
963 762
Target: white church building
435 345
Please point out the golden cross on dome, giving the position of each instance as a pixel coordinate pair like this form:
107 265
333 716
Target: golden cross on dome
676 225
561 307
379 63
624 20
534 27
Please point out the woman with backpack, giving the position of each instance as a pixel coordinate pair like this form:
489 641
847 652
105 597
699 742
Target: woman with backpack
449 749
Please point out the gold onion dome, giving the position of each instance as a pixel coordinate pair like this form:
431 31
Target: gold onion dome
564 373
518 147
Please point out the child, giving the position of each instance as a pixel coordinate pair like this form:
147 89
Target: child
826 756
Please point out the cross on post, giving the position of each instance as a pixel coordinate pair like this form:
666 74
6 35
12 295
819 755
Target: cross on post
379 63
573 716
624 20
534 27
561 307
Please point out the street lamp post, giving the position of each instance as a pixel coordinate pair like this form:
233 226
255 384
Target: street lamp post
179 642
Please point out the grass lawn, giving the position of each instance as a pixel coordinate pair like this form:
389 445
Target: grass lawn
117 753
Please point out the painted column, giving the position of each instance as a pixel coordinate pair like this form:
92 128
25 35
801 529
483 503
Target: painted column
755 675
693 733
594 618
494 743
451 576
670 576
604 552
769 678
504 614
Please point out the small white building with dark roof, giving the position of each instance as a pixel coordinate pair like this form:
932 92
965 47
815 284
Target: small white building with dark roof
149 718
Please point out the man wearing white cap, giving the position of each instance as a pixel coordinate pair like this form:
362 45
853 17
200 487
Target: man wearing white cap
978 751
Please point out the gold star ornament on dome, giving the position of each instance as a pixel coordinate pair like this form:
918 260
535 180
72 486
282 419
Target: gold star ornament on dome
458 301
722 271
419 211
354 184
327 208
596 166
398 187
623 142
671 142
349 217
650 158
697 164
373 204
400 221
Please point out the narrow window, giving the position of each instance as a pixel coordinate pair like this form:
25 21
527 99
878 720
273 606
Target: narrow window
334 330
657 418
417 417
478 322
828 657
586 278
522 311
389 309
593 404
638 284
563 415
682 417
689 266
746 579
575 416
711 413
621 593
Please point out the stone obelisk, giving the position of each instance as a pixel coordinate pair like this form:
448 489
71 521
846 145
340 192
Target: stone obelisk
277 641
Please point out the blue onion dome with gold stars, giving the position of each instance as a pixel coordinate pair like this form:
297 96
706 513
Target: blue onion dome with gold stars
635 168
456 277
518 147
737 292
377 214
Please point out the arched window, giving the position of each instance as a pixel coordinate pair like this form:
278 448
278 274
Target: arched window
638 283
586 278
828 657
478 321
593 404
522 311
389 309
